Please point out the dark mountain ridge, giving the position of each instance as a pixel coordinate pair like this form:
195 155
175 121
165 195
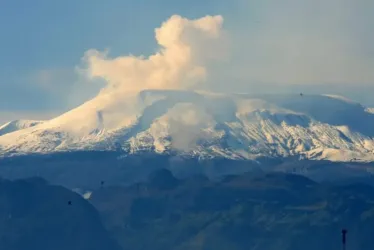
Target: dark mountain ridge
86 169
254 210
260 211
35 216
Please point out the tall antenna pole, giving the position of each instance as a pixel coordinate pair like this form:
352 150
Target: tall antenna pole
344 234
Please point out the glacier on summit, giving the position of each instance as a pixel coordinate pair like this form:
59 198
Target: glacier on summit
207 125
17 125
151 104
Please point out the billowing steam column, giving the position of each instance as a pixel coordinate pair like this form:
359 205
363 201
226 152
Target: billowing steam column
344 234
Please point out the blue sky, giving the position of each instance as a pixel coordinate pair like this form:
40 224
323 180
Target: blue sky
42 33
42 41
51 36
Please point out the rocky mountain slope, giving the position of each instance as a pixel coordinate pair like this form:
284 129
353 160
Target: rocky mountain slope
206 125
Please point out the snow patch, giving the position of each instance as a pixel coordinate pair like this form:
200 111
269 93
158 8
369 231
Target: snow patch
198 124
17 125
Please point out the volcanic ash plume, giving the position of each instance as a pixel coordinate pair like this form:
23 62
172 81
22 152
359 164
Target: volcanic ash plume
186 47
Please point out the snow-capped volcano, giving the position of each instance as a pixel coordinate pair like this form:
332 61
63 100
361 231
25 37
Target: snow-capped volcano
16 125
206 125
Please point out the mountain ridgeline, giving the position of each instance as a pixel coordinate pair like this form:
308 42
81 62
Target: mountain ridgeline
185 170
204 125
86 169
37 216
246 211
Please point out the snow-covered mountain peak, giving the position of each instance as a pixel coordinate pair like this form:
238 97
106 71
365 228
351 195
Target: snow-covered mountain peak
206 125
370 110
16 125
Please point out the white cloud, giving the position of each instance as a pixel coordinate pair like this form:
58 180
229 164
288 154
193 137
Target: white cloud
274 46
186 47
186 124
272 42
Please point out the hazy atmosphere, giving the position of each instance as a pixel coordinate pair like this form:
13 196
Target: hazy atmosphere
186 125
57 55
